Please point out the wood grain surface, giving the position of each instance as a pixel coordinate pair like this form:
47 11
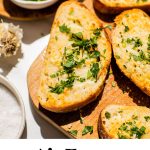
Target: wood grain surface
12 11
117 90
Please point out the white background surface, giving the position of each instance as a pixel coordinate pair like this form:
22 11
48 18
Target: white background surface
75 144
36 36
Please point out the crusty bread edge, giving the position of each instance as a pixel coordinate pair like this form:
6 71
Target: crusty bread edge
117 19
104 70
101 129
115 10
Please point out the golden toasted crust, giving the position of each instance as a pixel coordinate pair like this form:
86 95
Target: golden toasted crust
130 42
78 19
115 7
118 121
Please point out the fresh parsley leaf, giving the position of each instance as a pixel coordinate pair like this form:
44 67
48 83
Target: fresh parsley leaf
94 70
64 29
121 136
81 79
86 44
147 118
97 31
73 132
87 129
117 56
77 36
126 29
89 74
130 129
69 63
59 88
141 57
107 115
138 131
134 117
95 54
136 41
123 127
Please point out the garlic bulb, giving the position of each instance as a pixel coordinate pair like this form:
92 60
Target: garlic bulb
10 39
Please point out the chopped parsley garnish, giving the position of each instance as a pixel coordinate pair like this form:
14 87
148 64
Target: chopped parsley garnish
123 127
129 130
58 73
73 132
136 41
76 56
95 54
64 29
126 29
117 56
107 115
141 57
77 36
97 31
86 44
59 88
87 129
81 79
134 117
147 118
120 136
94 70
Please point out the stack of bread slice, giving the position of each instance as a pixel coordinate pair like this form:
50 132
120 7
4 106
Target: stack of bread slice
77 59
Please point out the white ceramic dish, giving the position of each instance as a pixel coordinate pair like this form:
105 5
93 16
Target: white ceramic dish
33 4
4 81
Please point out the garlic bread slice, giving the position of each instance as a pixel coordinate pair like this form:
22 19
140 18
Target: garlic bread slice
76 60
124 122
131 47
116 6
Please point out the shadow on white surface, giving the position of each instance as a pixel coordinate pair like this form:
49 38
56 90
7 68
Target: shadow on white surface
47 130
6 64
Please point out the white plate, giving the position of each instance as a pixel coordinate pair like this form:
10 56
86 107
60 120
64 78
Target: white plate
34 4
4 81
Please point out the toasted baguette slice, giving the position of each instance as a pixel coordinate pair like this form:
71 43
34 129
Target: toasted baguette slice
76 60
131 47
117 6
120 122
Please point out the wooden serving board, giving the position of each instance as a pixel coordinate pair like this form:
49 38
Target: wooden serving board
12 11
117 90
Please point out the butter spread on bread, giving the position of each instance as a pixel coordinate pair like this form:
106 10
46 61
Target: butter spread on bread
76 60
124 122
131 47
